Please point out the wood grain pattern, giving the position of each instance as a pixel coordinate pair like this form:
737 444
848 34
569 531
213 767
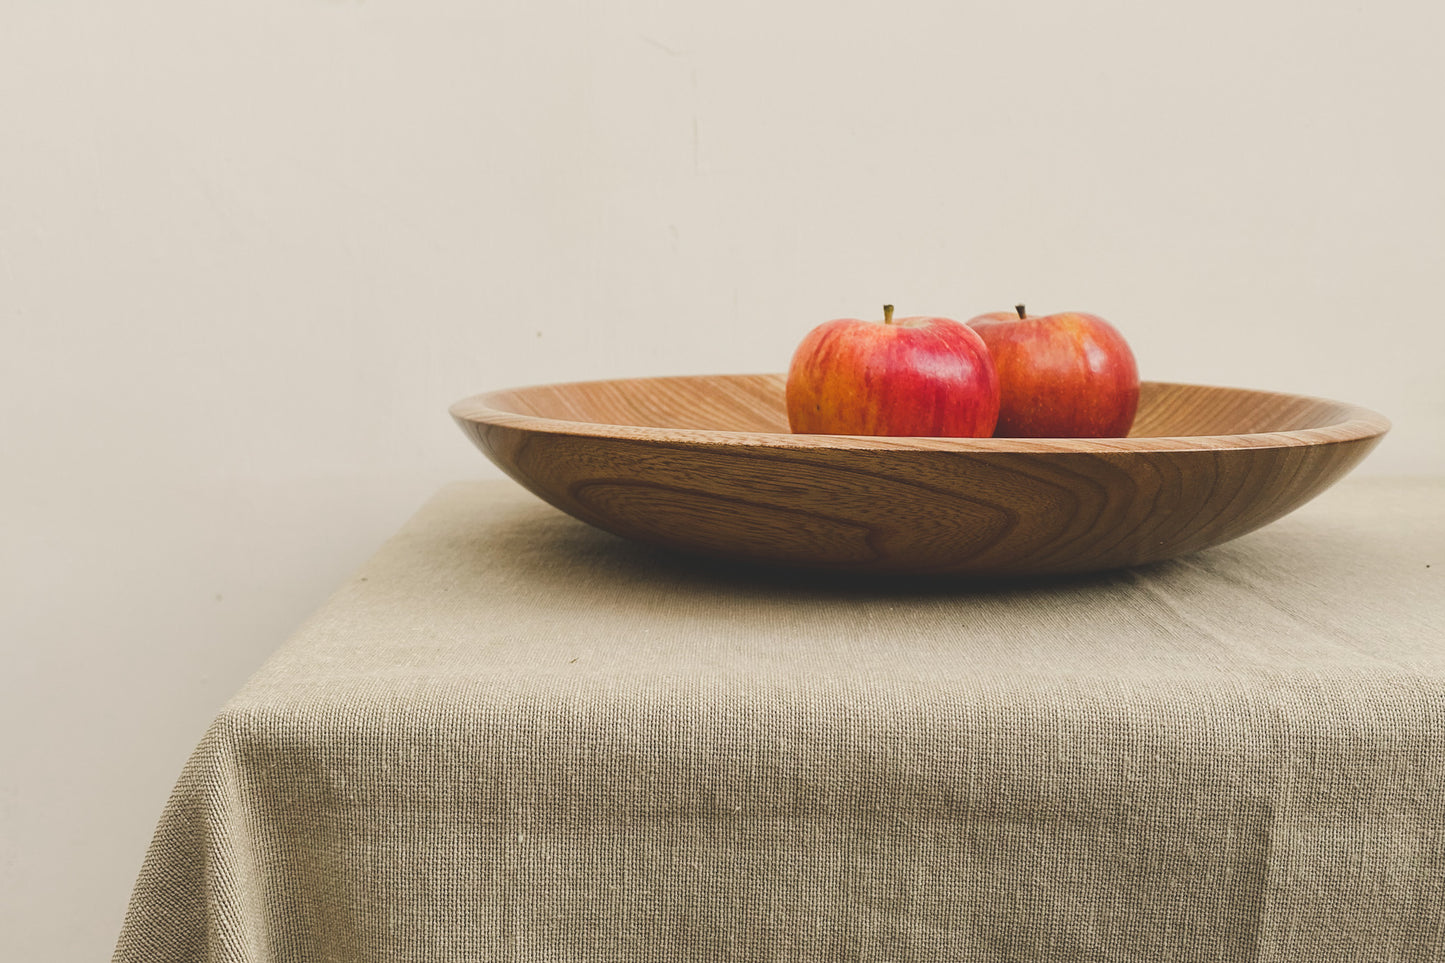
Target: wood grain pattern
706 464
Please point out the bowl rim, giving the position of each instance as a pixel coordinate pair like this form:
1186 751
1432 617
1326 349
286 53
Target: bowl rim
1357 424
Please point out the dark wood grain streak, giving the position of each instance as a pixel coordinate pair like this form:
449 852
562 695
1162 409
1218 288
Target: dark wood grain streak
706 464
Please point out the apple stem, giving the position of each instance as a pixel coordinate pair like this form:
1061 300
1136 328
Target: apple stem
1020 309
887 314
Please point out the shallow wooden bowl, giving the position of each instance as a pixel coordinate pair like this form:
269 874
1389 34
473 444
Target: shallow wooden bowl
707 464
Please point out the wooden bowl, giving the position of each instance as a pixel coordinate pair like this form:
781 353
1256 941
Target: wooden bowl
707 464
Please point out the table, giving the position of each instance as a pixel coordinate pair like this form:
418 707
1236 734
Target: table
513 737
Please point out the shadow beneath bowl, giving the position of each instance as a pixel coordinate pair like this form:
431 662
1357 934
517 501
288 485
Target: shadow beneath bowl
551 548
734 574
1327 586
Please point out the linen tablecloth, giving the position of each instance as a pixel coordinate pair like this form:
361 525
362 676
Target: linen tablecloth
512 737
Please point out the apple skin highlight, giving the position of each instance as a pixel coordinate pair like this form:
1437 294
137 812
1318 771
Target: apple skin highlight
1065 375
916 376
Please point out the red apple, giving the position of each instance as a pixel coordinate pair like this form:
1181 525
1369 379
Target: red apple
908 376
1068 375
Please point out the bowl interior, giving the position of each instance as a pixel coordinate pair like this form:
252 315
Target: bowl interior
754 404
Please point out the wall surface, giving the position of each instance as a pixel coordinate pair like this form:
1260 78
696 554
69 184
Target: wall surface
250 252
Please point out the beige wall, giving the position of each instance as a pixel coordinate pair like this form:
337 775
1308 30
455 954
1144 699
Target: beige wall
249 252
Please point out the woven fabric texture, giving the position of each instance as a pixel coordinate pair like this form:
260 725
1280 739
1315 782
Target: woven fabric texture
511 737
